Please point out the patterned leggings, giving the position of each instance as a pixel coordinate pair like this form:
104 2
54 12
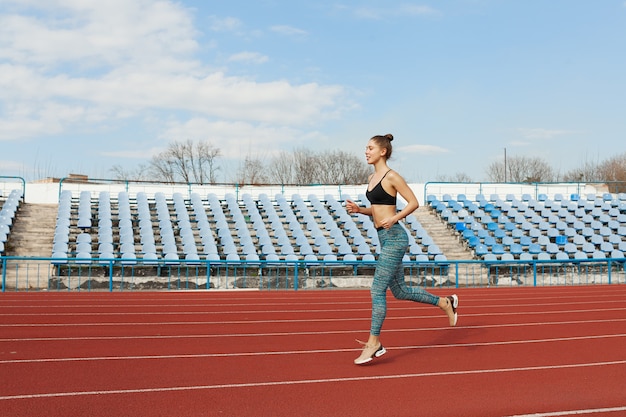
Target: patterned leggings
390 274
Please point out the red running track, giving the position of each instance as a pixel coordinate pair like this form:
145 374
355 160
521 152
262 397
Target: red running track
548 351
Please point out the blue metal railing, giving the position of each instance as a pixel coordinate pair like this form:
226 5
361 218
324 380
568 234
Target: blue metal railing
534 189
54 274
96 185
7 184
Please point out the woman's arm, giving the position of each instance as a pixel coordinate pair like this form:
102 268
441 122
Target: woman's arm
405 191
352 207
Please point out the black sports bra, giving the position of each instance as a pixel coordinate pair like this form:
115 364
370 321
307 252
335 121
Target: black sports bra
378 195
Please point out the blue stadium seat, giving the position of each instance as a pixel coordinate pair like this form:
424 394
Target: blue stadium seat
497 249
570 248
580 255
598 255
59 258
552 249
561 256
534 249
369 257
84 210
481 250
617 254
588 248
579 240
83 257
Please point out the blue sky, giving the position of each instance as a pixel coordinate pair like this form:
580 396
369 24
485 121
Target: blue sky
87 85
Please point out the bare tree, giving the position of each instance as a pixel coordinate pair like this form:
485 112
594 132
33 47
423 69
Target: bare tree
196 162
304 167
162 168
141 173
457 177
252 171
613 170
588 171
281 168
521 169
187 162
340 167
495 172
207 159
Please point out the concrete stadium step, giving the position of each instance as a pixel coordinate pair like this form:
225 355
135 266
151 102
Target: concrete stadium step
33 230
444 237
31 235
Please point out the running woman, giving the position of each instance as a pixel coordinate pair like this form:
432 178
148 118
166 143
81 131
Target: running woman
384 185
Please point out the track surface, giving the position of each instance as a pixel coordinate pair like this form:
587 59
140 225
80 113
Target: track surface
516 352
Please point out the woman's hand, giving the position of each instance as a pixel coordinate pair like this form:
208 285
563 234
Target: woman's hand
387 222
352 207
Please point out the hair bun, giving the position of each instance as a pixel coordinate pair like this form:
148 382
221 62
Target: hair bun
389 136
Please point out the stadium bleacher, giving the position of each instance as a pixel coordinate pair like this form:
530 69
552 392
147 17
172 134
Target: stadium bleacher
560 228
201 236
136 227
168 229
307 229
9 207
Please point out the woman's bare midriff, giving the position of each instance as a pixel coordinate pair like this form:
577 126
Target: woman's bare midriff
380 212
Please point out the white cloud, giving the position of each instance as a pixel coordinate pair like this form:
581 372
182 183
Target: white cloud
11 166
403 10
120 95
138 153
93 34
71 65
423 149
288 30
224 24
235 139
417 10
541 133
231 26
251 57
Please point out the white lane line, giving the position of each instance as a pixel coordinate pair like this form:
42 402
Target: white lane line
367 304
309 381
305 352
574 412
317 333
210 303
332 319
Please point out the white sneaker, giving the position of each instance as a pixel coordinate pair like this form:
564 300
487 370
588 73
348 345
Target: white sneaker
454 303
369 353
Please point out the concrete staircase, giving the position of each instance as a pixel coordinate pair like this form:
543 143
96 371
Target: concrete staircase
445 238
31 235
33 230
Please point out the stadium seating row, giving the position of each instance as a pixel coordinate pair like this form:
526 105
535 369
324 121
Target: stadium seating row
542 228
166 230
7 215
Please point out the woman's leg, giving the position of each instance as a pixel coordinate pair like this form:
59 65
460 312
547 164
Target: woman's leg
393 247
401 291
383 273
390 254
390 273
